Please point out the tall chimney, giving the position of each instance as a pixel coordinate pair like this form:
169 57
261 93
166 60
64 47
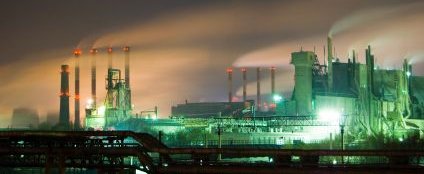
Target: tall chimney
244 71
109 60
64 97
230 84
77 123
93 76
330 63
258 88
272 81
127 65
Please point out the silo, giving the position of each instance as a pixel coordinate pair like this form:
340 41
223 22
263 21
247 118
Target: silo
303 61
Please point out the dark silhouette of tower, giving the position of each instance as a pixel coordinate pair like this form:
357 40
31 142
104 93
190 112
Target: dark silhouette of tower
244 71
64 97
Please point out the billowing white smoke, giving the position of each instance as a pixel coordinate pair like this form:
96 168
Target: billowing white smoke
394 33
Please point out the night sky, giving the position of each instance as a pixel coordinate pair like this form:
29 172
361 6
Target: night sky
180 49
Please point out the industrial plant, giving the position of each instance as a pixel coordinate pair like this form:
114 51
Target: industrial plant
331 100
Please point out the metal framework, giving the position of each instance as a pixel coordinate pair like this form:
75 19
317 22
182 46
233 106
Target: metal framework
110 150
273 121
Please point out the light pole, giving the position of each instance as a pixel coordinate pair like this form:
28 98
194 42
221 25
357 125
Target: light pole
219 135
342 129
219 141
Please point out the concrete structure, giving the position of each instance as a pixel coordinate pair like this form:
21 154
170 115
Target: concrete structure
303 61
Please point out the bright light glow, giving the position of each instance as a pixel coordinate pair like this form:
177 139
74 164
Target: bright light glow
334 161
89 103
408 73
101 110
277 98
329 115
153 116
279 142
400 139
139 172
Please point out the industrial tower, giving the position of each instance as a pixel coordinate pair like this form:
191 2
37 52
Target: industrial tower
117 105
64 97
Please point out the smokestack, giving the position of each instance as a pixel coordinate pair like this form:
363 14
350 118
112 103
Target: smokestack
93 76
230 84
109 60
244 71
258 88
354 56
77 125
64 97
127 65
272 81
330 63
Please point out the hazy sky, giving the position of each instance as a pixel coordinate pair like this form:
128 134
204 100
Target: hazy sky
180 49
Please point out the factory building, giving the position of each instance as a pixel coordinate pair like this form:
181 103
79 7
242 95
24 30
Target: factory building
365 99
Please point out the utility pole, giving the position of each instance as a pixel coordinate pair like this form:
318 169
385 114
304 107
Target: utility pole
219 135
342 127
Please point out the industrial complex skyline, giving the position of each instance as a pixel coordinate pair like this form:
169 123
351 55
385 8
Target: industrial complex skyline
180 49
